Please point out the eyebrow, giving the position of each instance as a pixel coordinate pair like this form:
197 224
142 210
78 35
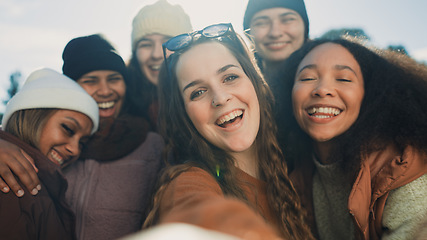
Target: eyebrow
280 15
219 71
165 38
75 121
343 67
115 74
338 67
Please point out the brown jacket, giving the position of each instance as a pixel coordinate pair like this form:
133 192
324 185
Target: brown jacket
195 197
379 173
44 216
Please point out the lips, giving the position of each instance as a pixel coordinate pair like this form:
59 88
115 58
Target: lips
276 45
323 112
155 67
106 105
229 118
55 157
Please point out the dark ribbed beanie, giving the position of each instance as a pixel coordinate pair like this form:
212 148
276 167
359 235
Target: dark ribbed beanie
255 6
91 53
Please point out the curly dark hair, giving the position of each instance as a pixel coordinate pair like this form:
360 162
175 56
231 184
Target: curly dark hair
393 110
190 149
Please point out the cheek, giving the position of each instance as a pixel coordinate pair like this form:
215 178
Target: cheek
298 96
198 114
120 88
45 141
142 55
194 114
89 89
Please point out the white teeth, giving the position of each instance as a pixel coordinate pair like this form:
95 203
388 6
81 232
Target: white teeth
104 105
325 110
56 157
229 117
155 67
279 44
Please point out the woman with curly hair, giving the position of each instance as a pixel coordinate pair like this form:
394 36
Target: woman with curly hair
228 172
356 135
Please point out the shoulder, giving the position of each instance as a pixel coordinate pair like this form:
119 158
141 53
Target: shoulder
402 166
23 215
153 139
194 181
151 148
405 209
196 177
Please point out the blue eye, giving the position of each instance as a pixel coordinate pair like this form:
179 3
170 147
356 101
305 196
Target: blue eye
230 78
196 94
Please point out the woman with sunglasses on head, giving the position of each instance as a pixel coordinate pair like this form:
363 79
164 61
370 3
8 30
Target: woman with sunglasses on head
110 185
50 118
358 139
228 173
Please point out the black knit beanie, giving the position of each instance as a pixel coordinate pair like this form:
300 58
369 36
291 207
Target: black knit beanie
255 6
91 53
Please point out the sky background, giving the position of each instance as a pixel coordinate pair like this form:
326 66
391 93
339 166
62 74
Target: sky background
33 33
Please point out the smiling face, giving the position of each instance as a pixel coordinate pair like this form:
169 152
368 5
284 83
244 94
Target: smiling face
63 134
328 92
149 53
219 97
277 33
108 88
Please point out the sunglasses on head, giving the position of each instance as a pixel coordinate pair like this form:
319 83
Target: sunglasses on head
184 40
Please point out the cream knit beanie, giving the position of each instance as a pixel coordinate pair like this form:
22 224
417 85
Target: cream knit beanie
46 88
161 18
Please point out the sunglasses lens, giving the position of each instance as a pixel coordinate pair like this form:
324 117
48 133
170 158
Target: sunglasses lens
215 30
178 42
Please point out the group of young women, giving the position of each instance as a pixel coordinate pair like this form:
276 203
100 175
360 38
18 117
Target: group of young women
351 122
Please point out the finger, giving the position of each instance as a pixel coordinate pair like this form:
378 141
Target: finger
21 169
30 160
15 163
10 180
27 172
3 186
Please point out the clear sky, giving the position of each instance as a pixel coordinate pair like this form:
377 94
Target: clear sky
33 33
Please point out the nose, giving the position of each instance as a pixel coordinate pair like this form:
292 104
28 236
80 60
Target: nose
157 52
104 89
324 89
220 97
73 147
275 29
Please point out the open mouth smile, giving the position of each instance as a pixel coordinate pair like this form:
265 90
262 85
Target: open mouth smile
56 157
155 67
106 105
323 112
229 118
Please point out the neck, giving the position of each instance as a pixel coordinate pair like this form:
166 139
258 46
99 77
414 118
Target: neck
272 67
247 161
323 151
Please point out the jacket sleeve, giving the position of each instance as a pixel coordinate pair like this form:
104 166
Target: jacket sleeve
194 197
405 210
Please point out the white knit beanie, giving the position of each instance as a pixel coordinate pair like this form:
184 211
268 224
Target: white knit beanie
161 18
46 88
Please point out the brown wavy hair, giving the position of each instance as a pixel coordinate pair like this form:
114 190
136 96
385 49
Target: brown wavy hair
27 124
189 148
